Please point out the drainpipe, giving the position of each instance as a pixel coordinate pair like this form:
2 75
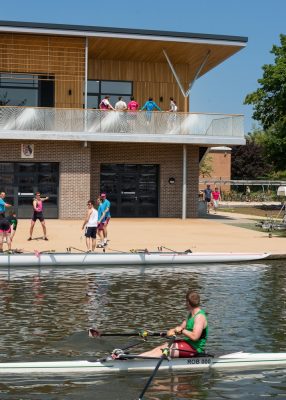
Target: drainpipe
184 189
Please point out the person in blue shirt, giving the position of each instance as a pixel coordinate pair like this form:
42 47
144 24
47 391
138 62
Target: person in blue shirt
103 219
3 204
149 106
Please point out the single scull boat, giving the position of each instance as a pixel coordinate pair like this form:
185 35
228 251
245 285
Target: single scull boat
137 258
236 361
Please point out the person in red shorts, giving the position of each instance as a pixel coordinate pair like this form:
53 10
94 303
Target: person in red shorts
194 332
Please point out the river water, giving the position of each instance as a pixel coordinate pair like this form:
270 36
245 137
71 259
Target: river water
45 314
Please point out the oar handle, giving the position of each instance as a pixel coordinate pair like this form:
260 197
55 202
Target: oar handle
93 332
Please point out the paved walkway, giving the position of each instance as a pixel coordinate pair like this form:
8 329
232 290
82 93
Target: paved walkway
214 233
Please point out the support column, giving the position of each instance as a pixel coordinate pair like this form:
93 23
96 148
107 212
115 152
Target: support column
184 188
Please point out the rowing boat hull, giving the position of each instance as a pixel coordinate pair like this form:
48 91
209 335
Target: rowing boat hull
236 361
94 259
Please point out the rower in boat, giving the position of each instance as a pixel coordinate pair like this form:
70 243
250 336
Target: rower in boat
194 330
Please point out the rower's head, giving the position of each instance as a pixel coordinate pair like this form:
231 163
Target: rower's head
103 196
2 195
193 299
38 194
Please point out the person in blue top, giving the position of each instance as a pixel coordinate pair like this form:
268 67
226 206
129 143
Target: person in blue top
3 204
149 106
103 219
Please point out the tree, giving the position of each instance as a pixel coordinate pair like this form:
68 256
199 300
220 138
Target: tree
249 162
269 103
206 167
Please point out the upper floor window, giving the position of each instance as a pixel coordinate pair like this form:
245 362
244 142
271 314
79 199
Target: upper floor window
97 90
26 90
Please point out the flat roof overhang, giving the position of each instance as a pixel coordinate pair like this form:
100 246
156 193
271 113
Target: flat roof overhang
123 137
143 45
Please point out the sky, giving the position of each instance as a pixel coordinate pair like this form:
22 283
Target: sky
221 90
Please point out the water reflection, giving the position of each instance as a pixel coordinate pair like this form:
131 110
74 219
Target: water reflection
45 314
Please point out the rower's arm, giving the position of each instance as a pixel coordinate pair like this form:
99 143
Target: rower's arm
195 334
35 204
177 329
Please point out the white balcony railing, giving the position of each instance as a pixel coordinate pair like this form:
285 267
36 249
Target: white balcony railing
141 122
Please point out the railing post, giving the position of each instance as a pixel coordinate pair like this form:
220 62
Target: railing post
184 188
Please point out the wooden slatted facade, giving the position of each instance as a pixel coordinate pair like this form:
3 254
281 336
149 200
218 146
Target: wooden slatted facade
57 58
149 79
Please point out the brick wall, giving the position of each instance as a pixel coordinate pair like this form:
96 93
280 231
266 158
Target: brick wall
170 159
80 171
74 162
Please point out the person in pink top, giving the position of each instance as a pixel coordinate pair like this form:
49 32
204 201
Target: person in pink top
38 214
132 107
215 199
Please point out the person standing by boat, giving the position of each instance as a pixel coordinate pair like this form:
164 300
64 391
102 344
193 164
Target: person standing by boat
215 199
194 331
38 214
103 219
208 197
3 204
90 225
13 221
5 232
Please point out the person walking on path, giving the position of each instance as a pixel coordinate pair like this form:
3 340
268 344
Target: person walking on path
208 197
103 219
194 330
3 204
216 198
90 226
38 214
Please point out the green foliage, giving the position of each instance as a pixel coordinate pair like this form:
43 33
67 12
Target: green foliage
206 167
269 103
249 161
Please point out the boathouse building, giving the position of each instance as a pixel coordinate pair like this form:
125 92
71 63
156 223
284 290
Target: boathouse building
54 139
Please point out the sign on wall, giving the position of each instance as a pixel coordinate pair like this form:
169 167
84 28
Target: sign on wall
27 151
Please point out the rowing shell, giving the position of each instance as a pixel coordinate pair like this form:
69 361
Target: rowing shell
153 258
237 361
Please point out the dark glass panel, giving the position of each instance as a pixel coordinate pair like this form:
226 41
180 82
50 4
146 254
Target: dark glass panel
27 167
92 86
19 80
6 168
92 101
19 97
113 87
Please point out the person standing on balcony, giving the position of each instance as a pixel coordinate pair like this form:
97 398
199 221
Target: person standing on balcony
38 214
215 199
132 107
105 104
121 106
173 109
208 197
3 204
150 106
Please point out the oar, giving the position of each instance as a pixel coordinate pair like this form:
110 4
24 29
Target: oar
166 248
92 332
164 356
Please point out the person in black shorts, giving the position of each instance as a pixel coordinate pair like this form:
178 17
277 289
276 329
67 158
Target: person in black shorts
5 231
38 214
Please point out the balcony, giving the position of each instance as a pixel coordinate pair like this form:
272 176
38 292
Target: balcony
95 125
